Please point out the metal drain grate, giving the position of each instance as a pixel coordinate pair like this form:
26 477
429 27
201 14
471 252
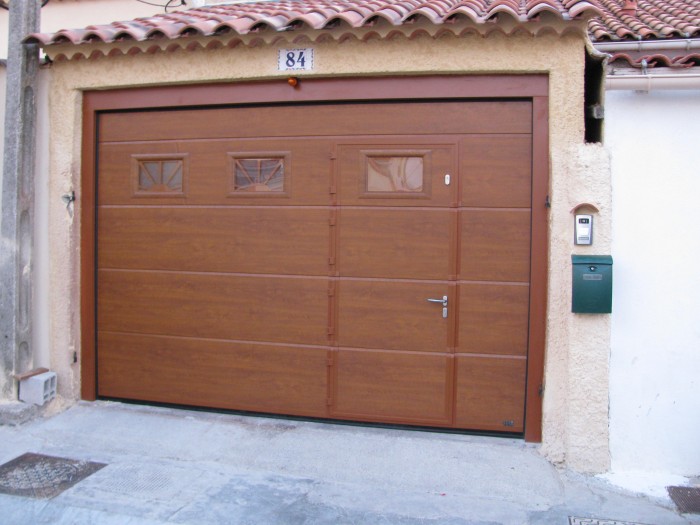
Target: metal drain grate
39 476
147 481
596 521
687 499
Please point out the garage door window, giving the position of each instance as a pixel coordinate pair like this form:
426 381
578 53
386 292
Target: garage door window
401 172
263 174
159 175
395 174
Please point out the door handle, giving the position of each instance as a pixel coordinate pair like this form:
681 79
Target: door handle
442 301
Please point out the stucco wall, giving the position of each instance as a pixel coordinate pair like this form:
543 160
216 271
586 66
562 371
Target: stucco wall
654 383
575 402
586 180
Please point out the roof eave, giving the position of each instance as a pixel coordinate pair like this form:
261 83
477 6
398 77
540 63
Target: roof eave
302 36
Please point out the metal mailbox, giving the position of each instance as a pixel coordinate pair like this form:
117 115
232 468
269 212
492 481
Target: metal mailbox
592 284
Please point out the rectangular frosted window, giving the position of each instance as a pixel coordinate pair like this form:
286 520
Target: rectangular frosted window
395 174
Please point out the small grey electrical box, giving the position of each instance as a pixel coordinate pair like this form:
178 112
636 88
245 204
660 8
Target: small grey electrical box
38 389
584 229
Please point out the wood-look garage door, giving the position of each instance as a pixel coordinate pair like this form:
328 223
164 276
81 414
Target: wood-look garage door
366 261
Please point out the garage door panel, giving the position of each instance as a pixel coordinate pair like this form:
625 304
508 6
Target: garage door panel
239 240
395 172
495 245
420 118
490 393
406 244
490 163
262 172
320 120
218 306
493 318
222 172
391 315
392 387
258 377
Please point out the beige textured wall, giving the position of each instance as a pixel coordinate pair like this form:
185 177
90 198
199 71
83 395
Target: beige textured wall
576 370
577 384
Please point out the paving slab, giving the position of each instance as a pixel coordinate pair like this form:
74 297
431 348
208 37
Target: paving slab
172 466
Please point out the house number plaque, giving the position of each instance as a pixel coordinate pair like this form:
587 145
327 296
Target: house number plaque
295 59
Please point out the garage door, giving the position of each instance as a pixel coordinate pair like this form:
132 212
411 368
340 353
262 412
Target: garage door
366 261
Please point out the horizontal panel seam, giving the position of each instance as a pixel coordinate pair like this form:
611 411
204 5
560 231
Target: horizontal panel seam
216 340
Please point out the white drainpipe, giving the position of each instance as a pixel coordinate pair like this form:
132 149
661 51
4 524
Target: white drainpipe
681 79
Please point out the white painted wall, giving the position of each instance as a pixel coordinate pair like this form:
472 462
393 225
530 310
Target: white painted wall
3 71
654 140
4 18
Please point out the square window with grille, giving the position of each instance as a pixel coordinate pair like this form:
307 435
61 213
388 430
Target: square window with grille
264 173
159 175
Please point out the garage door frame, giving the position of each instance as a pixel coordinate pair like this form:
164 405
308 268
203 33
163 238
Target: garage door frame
531 87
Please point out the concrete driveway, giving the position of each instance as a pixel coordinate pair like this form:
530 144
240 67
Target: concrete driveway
176 466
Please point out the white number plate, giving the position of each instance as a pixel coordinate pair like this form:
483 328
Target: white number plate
295 59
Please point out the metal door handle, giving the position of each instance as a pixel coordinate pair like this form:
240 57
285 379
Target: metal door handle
442 301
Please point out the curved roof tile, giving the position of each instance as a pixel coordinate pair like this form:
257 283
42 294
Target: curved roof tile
652 19
468 12
314 14
656 59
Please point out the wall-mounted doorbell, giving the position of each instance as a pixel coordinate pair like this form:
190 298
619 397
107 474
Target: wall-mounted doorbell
584 229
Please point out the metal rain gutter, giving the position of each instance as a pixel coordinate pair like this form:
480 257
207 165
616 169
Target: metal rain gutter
688 79
656 82
650 45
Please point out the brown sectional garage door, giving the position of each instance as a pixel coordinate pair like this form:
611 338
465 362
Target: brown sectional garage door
280 259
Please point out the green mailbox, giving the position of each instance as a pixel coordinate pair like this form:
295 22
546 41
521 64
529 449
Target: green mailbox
592 284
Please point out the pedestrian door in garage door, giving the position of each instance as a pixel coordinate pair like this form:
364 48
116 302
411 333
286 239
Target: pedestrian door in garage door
356 261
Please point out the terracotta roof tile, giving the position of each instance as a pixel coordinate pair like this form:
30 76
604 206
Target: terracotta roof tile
652 22
652 19
656 60
284 15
